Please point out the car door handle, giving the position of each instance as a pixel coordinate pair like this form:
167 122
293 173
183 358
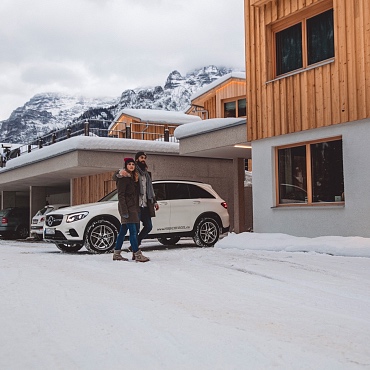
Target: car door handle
196 202
163 203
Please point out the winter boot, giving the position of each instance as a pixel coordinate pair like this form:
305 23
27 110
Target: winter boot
139 257
117 256
133 254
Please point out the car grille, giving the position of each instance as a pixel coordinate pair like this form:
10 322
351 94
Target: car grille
53 220
57 236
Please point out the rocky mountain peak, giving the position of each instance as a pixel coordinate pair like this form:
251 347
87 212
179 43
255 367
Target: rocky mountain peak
174 79
47 112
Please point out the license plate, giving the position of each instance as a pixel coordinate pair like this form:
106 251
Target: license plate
49 231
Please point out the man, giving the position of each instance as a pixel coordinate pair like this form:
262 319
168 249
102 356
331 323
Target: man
147 202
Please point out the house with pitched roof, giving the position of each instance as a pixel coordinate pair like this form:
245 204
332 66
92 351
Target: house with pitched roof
222 98
148 124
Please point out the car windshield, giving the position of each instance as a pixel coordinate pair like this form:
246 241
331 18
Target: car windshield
112 196
44 210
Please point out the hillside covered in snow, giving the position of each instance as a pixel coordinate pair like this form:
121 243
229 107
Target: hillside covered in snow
47 112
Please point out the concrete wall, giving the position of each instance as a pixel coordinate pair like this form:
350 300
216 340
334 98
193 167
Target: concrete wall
248 207
14 199
352 219
58 198
37 199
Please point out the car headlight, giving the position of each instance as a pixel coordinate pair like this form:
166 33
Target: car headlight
76 216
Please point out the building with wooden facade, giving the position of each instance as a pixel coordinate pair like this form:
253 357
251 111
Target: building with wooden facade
225 97
148 124
308 90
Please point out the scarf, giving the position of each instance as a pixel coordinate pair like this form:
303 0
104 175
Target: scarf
149 186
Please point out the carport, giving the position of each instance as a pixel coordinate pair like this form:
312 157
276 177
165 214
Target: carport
54 169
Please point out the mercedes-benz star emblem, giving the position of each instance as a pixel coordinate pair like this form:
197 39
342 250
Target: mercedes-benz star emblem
50 221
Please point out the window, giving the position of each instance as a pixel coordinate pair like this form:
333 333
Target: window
289 49
242 107
304 40
230 109
235 108
311 173
160 191
196 192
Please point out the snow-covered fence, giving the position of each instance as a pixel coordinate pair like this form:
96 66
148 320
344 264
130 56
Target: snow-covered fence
99 128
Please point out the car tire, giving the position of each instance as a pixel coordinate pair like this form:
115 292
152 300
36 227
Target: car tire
207 232
101 237
69 248
169 241
22 232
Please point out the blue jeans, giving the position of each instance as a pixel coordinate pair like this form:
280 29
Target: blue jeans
145 218
133 237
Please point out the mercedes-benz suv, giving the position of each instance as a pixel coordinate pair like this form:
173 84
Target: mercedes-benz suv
186 209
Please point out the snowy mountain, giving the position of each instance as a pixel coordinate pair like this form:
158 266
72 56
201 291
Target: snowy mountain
48 112
44 113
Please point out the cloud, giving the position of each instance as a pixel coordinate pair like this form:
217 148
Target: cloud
106 46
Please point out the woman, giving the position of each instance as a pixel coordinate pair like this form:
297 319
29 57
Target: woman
128 208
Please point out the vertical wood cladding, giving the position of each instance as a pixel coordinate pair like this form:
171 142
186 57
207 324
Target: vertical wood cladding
212 101
328 94
90 189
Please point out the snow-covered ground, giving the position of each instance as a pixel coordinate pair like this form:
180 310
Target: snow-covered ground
255 301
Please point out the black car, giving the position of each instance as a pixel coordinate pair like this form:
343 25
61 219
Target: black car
14 222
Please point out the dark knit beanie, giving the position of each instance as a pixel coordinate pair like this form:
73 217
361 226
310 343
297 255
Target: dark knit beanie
128 160
138 154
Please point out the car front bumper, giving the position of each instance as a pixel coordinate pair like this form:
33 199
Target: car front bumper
59 237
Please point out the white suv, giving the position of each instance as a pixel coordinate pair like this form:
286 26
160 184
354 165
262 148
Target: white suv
38 219
186 208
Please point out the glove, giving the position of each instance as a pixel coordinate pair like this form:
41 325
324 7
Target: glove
125 215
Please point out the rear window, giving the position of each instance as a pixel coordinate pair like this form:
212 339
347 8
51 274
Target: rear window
198 192
4 212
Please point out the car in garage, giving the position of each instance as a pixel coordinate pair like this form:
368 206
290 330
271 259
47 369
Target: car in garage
186 209
37 224
14 222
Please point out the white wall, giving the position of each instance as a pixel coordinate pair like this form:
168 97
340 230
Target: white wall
352 219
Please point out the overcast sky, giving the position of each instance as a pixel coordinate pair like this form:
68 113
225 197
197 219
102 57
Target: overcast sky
103 47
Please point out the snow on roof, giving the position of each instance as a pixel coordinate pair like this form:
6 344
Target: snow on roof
219 81
207 125
91 143
10 145
157 116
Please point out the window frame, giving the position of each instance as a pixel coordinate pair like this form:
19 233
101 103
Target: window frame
300 17
236 100
309 203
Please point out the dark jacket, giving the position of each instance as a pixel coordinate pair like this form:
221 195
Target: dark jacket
150 204
128 197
